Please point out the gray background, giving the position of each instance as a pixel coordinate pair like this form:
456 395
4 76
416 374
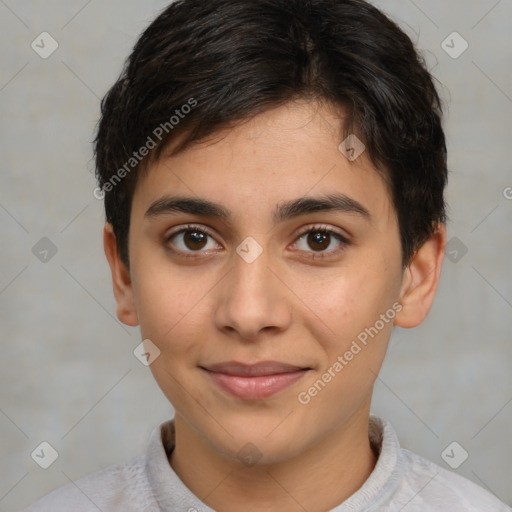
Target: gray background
68 374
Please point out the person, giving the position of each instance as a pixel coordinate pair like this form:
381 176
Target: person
273 174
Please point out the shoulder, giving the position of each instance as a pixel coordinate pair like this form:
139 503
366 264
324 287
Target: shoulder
403 480
438 489
118 487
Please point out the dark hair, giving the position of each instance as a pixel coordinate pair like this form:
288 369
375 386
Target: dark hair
203 65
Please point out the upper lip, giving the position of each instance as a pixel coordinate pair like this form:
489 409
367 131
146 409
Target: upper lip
253 370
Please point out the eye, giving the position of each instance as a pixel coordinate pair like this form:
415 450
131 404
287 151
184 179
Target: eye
190 239
194 239
320 239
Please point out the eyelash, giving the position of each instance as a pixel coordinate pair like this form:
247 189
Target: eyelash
310 229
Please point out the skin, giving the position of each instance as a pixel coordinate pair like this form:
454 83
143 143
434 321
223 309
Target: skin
289 305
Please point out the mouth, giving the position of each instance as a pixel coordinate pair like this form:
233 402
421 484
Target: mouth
254 381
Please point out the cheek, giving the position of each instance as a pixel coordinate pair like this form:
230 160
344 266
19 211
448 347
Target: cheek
170 310
167 305
351 300
356 343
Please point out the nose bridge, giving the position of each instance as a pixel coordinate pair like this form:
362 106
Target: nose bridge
251 272
252 297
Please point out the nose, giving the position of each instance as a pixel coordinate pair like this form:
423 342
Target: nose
252 299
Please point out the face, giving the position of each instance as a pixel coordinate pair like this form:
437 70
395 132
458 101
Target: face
272 292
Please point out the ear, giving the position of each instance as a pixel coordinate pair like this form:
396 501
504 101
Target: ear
420 280
121 280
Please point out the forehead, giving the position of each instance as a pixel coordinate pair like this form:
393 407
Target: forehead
282 154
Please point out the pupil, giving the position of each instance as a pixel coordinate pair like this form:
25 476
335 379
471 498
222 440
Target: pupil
195 240
319 238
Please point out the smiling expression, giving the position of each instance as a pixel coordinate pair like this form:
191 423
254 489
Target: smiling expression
256 258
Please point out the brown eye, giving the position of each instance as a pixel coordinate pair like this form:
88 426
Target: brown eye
190 240
195 240
319 240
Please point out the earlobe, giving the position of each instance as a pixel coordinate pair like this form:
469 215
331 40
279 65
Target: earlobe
420 280
121 280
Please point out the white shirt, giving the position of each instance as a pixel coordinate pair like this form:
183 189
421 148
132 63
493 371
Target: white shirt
401 481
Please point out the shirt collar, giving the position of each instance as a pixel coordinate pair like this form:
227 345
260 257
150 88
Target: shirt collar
386 475
172 494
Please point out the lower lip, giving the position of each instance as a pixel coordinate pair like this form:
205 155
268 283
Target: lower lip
255 388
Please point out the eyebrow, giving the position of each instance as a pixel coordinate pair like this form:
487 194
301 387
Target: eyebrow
283 211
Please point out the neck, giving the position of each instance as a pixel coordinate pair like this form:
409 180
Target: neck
316 480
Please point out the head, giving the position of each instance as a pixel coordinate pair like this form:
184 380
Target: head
273 174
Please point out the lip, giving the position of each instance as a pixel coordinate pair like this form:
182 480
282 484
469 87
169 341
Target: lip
254 381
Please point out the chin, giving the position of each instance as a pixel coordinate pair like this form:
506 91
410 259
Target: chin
266 441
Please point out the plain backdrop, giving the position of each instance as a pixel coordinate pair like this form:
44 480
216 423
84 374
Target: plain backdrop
68 373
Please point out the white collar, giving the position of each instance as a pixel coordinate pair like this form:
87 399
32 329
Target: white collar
173 495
